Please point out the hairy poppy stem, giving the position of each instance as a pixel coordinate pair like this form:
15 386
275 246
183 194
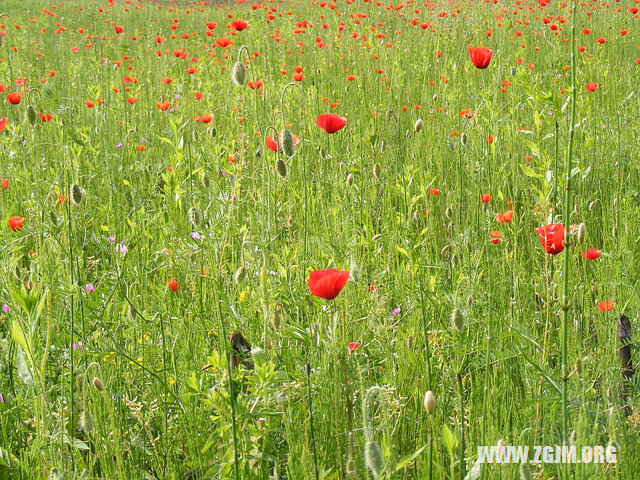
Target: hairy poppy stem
567 215
284 90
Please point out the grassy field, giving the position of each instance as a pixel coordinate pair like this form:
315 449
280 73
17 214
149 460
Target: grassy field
171 182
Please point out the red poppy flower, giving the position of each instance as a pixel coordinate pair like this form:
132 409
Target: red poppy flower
132 100
551 237
606 306
353 346
271 144
14 97
504 217
494 236
485 197
330 122
480 57
239 25
591 254
15 223
434 191
173 285
118 29
3 123
591 86
327 284
5 183
163 105
89 104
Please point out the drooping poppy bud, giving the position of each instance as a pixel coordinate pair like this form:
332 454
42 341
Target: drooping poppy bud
288 146
240 275
551 237
281 167
31 115
457 319
429 402
77 194
238 73
373 458
418 125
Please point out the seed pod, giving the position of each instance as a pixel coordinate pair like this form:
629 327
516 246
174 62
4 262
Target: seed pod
457 319
429 402
377 171
288 147
31 115
77 194
240 275
350 179
418 125
281 167
373 458
238 73
97 383
194 216
86 423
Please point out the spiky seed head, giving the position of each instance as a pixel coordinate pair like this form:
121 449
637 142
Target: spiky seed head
373 458
86 423
31 115
98 385
429 402
377 171
457 319
288 147
77 194
240 275
195 216
418 125
281 167
238 73
350 179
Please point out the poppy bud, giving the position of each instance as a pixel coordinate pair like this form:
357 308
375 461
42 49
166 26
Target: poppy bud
276 318
350 179
86 423
281 167
582 231
97 383
204 180
525 472
77 194
238 73
194 216
31 115
288 146
377 171
501 444
429 402
373 458
417 126
54 219
448 212
457 319
435 97
463 139
240 275
470 301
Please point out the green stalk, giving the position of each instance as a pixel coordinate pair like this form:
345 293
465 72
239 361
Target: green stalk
567 214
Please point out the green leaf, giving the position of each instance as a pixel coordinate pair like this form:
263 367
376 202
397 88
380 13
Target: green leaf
528 171
403 463
449 439
18 334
